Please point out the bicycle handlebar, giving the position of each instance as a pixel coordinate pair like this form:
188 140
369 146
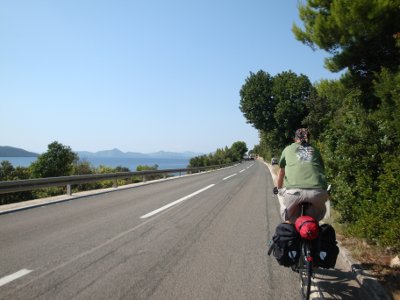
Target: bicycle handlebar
275 190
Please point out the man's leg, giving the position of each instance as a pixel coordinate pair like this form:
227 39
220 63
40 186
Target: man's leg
317 198
291 205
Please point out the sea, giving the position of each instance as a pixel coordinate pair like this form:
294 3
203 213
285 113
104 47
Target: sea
131 163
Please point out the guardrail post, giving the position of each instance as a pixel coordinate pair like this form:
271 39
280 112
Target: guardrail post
69 192
115 184
165 175
144 178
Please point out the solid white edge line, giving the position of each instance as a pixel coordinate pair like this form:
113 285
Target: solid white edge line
242 170
229 176
152 213
14 276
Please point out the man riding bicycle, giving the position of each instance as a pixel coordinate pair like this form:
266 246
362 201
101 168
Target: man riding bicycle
303 176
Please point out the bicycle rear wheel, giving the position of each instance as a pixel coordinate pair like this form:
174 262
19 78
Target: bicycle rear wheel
305 272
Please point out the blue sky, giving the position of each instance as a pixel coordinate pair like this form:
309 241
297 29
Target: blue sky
140 75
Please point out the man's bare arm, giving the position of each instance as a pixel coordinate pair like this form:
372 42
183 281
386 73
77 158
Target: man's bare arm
281 175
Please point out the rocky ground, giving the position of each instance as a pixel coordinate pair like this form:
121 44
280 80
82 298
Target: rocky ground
379 263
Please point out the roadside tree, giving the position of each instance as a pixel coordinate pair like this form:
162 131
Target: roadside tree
58 160
238 150
361 37
257 102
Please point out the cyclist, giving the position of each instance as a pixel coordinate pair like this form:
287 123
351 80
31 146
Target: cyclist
302 174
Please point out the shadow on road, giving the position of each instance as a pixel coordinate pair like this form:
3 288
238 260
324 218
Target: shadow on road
338 284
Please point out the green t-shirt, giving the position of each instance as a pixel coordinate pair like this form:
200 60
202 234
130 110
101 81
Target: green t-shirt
304 168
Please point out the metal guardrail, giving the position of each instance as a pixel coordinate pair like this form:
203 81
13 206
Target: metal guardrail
68 181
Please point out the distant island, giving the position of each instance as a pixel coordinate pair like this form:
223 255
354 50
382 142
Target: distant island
8 151
119 153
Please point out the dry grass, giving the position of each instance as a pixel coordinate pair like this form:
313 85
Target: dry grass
374 260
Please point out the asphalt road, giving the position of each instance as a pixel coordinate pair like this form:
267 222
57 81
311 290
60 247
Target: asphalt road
196 237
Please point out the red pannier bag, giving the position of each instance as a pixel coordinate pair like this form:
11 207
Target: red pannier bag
307 227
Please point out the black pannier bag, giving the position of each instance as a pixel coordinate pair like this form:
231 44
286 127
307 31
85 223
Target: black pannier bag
285 245
325 247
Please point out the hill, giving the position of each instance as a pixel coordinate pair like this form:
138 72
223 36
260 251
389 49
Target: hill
165 154
119 153
7 151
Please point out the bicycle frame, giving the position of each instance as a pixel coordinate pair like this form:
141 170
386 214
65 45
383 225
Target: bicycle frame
305 264
305 270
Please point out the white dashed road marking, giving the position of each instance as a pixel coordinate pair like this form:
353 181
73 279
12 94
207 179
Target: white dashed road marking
229 176
12 277
175 202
